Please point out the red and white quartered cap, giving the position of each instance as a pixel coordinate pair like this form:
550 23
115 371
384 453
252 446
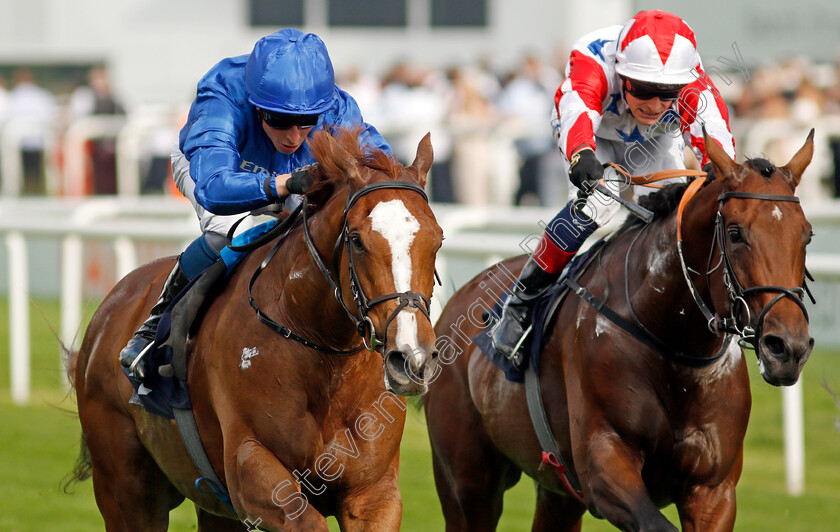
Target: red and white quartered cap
657 47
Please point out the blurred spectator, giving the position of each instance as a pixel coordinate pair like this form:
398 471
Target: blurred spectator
96 98
34 108
4 98
471 119
415 100
526 98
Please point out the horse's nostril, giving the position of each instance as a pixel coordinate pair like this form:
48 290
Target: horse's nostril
435 354
773 345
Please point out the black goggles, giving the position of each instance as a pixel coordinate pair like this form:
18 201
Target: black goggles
643 90
285 121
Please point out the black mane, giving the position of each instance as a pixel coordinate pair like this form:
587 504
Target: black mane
661 203
762 166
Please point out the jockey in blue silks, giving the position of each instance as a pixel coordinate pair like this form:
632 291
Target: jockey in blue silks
243 146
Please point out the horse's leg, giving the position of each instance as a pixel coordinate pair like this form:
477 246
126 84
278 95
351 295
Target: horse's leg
711 507
208 522
131 491
263 489
471 475
616 490
376 508
557 512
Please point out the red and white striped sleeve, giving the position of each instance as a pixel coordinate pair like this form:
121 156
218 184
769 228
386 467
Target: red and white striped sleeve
701 104
578 102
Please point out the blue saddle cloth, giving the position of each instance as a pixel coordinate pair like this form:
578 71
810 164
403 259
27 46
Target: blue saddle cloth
544 308
159 394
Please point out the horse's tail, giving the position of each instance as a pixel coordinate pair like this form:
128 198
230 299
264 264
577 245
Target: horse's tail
82 469
71 358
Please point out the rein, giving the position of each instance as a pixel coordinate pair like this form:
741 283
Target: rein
748 334
362 321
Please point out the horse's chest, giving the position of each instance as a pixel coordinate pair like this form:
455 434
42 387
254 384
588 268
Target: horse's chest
701 452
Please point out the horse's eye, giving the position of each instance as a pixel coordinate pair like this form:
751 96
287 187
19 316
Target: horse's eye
810 237
356 241
735 234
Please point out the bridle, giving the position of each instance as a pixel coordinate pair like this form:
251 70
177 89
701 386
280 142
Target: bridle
747 332
361 320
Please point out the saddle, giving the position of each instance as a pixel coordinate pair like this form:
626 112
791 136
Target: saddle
165 385
545 307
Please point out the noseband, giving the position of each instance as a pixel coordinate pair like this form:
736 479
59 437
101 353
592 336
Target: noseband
748 334
363 323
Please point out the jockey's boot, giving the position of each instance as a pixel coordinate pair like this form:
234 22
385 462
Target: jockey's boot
133 353
516 313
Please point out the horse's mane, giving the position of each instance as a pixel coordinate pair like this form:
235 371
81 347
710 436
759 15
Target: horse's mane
661 203
327 176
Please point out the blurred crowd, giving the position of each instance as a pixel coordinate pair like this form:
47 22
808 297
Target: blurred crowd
490 129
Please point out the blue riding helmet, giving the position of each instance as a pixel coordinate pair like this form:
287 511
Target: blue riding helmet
290 72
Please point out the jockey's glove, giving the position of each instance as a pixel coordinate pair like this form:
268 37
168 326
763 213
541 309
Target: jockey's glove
300 181
585 170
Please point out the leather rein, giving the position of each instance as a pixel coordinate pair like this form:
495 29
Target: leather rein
747 333
361 320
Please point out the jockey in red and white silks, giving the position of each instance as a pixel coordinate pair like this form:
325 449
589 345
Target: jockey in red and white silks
633 95
591 108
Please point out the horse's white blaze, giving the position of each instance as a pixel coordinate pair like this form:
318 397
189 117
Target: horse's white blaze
777 213
397 225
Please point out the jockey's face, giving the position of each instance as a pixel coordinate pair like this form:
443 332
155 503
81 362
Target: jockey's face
647 101
286 131
287 140
646 112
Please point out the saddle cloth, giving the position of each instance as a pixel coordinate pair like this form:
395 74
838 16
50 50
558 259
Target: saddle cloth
544 309
158 394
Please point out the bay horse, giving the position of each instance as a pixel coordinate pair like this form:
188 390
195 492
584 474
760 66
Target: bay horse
295 431
637 427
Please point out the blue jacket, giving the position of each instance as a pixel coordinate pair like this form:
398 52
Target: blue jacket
229 153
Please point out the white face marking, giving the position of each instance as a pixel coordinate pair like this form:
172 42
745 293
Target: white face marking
777 213
397 225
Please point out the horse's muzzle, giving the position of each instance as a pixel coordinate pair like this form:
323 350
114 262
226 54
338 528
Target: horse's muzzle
409 372
782 357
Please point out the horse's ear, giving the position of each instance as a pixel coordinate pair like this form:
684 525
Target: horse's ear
724 167
799 162
347 163
423 160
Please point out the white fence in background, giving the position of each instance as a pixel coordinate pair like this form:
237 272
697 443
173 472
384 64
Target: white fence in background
478 235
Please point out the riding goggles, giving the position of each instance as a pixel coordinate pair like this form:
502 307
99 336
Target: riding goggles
285 121
643 90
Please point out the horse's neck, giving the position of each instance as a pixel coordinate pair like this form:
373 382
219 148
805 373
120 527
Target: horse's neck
662 286
308 298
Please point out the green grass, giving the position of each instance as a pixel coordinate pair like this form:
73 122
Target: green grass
39 443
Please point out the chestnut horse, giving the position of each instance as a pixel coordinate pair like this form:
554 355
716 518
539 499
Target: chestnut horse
638 427
295 430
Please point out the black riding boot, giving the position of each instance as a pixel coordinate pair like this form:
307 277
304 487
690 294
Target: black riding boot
516 313
145 335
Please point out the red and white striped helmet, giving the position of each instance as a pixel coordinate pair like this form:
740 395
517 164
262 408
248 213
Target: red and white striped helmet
657 47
